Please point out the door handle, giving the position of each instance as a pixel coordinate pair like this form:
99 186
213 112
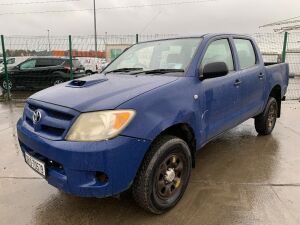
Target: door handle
237 82
261 76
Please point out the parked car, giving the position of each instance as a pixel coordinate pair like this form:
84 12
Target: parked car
41 72
140 123
103 64
91 65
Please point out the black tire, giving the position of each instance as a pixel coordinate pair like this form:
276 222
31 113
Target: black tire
57 81
163 175
4 86
88 72
265 122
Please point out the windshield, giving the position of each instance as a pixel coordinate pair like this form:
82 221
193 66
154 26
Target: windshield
174 55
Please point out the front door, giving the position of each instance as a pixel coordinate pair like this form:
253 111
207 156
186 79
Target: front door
26 73
44 69
219 96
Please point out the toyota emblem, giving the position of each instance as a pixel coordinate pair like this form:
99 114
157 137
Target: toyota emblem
37 115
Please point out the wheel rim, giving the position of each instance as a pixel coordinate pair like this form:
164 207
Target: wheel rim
57 82
4 85
169 176
272 115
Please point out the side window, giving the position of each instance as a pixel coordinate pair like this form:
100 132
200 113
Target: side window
43 62
218 51
57 62
28 64
245 53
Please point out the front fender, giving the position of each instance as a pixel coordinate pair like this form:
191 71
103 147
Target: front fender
162 108
160 125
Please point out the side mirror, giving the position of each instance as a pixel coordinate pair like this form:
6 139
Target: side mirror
214 69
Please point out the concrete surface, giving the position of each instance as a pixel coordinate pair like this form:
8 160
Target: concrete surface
240 178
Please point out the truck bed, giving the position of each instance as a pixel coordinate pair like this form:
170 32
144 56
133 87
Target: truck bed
277 74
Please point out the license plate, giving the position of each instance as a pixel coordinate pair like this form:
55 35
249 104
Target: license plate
35 164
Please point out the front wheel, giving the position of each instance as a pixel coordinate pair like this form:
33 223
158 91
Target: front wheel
88 72
164 175
7 85
265 122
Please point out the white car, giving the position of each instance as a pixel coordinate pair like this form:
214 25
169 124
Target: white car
92 65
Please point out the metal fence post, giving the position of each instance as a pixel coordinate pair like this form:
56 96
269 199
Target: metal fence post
284 46
71 57
5 66
137 38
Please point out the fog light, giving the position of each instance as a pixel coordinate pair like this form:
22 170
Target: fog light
102 177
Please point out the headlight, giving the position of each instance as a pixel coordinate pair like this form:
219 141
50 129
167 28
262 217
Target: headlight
97 126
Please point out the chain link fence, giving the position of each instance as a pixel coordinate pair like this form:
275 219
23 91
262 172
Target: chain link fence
271 47
82 48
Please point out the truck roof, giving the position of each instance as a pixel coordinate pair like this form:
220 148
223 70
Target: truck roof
208 35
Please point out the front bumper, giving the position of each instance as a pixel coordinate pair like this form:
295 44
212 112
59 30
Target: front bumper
72 166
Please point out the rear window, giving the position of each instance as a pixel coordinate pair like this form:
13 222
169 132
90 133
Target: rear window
246 53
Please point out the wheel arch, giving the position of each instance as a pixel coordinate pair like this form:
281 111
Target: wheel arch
59 75
185 132
276 93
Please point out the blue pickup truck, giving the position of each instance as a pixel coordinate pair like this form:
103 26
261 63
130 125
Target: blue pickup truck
139 123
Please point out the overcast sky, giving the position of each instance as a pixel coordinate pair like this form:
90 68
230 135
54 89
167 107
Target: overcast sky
238 16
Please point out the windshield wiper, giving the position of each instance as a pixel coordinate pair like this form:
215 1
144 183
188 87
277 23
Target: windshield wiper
123 70
160 71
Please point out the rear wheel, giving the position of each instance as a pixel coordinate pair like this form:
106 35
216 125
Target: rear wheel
58 81
164 175
265 122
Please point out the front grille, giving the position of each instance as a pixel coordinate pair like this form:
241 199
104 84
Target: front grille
55 120
53 130
52 113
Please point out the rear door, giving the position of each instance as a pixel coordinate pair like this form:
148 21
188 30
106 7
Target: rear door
44 69
252 77
220 95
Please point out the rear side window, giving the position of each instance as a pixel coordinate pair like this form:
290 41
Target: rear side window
43 63
218 51
246 53
56 62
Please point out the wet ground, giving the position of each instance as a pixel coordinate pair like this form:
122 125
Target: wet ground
240 178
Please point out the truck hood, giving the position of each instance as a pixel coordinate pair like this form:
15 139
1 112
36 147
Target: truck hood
99 92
